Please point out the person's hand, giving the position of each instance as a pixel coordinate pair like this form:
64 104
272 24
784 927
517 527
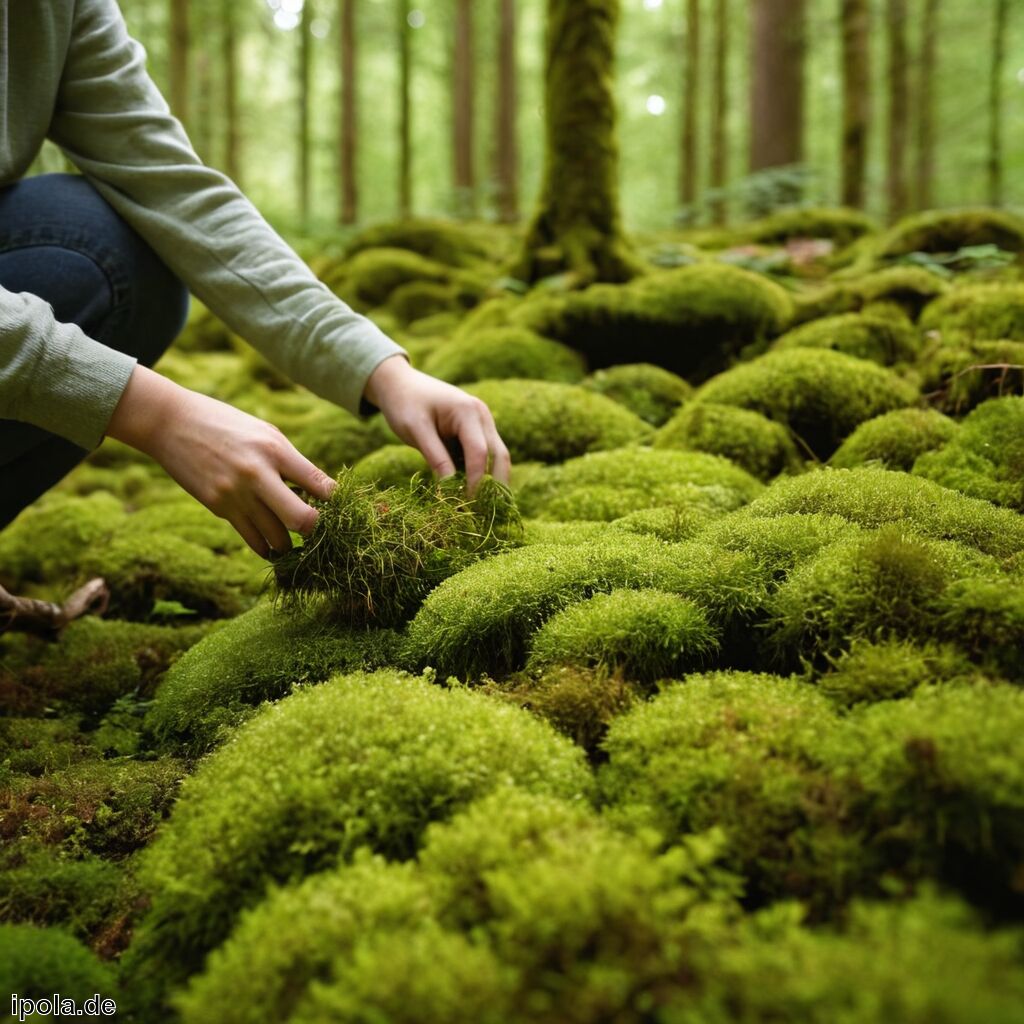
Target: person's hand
234 463
425 412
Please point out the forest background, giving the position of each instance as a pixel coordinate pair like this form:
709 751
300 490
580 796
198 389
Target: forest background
332 112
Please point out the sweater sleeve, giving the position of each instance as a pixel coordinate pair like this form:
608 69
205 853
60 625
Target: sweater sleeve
112 122
54 376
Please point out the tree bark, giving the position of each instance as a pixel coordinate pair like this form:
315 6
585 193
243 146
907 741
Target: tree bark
178 64
404 111
506 153
464 87
305 61
348 129
856 60
719 110
899 108
27 615
995 112
203 130
232 128
925 170
691 106
577 226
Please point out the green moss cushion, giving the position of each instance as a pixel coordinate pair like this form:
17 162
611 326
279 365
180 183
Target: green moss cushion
501 352
652 392
883 340
950 230
978 312
895 439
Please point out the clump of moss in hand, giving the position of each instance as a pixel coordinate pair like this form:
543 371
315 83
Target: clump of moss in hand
375 554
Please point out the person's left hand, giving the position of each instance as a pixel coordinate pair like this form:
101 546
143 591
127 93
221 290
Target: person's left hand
425 412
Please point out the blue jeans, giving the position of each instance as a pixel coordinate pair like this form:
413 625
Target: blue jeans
61 241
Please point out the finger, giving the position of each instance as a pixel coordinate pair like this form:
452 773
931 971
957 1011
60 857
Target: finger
427 439
474 447
296 467
250 535
286 505
269 525
501 465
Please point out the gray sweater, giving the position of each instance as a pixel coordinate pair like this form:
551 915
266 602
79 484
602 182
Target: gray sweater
70 72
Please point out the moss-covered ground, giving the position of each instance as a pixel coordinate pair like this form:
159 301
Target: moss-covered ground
715 716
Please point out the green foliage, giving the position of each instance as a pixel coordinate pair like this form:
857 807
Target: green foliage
895 439
37 962
985 458
949 230
444 241
985 312
909 288
760 446
503 352
651 392
841 224
882 339
393 465
368 278
671 523
549 422
417 300
362 761
691 321
645 634
986 618
820 395
375 554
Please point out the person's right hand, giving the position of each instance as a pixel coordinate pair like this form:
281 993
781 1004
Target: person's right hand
234 463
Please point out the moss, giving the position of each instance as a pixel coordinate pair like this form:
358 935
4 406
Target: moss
985 617
881 339
673 523
261 655
895 439
612 484
822 396
651 392
503 352
645 634
368 278
418 299
760 446
457 245
375 554
841 224
909 288
332 438
32 746
962 375
481 619
691 321
364 761
571 534
985 458
392 465
949 230
550 422
979 312
873 497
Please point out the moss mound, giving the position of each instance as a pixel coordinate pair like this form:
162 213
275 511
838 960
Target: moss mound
650 391
646 634
364 761
966 373
895 439
550 422
673 523
456 245
503 352
881 339
979 312
417 300
393 465
691 321
908 288
841 224
941 231
760 446
371 275
985 617
820 395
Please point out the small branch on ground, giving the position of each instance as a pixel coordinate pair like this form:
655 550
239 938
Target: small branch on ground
43 618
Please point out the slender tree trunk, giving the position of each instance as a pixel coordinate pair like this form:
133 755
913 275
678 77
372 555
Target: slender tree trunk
995 109
924 173
305 60
691 106
899 108
506 152
577 226
719 110
777 85
404 111
464 87
178 64
229 56
856 35
203 130
348 129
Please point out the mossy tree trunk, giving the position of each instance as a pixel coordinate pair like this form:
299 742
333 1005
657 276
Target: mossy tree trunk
404 110
577 227
691 106
304 143
995 113
719 110
856 33
464 110
506 149
925 167
899 107
229 58
348 198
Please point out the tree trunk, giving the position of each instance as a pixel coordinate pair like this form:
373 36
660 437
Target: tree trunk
178 64
899 107
305 60
464 87
856 35
925 171
995 107
577 226
777 84
719 110
203 130
691 105
404 111
348 129
229 56
506 153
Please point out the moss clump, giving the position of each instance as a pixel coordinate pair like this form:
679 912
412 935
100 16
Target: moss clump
841 224
895 439
762 447
457 245
261 655
331 437
874 497
363 761
962 375
909 288
393 465
371 275
691 321
673 523
941 231
982 312
883 340
645 634
503 352
419 299
609 485
375 554
550 422
985 617
32 746
985 458
820 395
651 392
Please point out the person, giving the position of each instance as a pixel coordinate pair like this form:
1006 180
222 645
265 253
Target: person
93 276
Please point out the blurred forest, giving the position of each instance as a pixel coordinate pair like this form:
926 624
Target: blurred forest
345 111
